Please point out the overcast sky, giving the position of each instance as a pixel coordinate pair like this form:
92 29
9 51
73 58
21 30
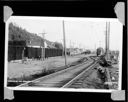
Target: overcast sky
87 34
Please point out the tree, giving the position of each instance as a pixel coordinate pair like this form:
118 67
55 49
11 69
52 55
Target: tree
58 45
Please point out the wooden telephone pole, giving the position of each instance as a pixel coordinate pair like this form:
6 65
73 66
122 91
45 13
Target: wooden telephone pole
107 40
43 47
65 53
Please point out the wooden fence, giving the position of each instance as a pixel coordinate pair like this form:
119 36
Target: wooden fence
16 52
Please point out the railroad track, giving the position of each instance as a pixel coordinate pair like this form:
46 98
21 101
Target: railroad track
77 81
63 78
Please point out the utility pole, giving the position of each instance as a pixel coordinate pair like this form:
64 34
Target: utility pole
107 56
65 53
107 39
70 46
43 47
95 48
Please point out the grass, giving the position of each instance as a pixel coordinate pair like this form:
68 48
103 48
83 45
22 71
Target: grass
16 70
20 80
43 72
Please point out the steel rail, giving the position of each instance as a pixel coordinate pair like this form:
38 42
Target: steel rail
54 74
80 75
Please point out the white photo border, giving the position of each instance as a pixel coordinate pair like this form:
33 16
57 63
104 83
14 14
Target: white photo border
60 89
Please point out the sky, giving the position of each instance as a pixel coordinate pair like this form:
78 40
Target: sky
87 34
